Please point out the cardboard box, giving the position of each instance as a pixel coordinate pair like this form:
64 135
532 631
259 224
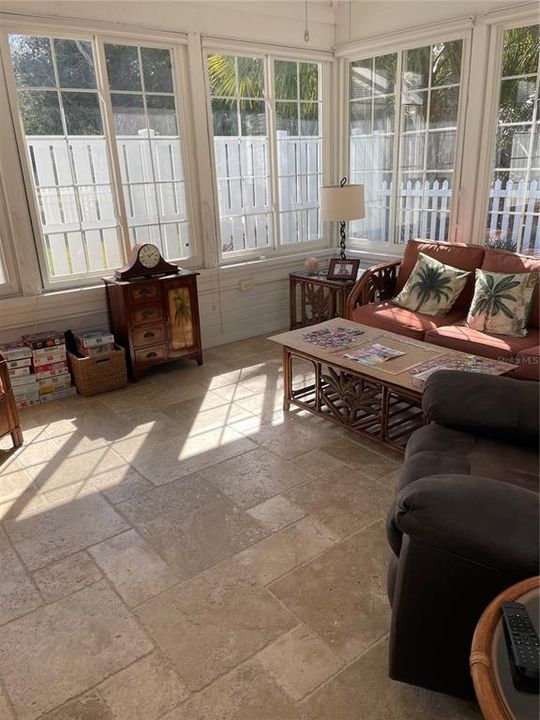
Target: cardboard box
14 364
54 370
24 380
48 339
16 351
18 372
49 356
53 384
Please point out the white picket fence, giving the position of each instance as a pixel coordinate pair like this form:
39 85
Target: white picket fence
76 205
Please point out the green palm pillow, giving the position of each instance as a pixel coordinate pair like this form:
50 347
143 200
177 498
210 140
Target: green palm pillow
502 302
432 287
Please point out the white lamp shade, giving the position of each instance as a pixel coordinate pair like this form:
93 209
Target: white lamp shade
342 202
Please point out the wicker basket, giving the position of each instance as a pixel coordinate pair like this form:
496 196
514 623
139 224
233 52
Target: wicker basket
101 373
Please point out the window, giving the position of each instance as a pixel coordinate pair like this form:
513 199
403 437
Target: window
146 124
72 154
514 198
63 125
403 124
251 217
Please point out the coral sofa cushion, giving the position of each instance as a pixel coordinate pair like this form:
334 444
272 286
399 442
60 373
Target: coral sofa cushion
466 339
528 362
458 255
432 287
502 261
502 302
390 317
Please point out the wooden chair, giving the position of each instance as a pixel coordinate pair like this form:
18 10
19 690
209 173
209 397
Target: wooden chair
9 417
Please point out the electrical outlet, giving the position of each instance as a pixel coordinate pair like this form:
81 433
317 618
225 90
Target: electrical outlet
246 285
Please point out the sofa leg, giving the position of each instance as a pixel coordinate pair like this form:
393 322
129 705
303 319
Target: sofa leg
437 601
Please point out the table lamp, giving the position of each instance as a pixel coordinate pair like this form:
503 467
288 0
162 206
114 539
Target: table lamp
342 202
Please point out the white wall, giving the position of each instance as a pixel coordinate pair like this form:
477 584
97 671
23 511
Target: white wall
361 19
275 21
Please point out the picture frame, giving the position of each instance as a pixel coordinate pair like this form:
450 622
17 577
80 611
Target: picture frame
339 269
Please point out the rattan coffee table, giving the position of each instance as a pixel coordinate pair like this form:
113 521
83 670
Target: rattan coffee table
381 402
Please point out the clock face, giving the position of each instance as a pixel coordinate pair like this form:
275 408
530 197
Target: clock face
149 256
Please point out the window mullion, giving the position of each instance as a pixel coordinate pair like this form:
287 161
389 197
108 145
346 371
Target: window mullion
395 203
112 146
271 119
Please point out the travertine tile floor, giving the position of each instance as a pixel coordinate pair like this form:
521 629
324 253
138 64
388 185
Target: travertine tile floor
182 549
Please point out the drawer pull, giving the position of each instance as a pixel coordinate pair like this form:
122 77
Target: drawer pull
151 354
144 292
147 313
149 334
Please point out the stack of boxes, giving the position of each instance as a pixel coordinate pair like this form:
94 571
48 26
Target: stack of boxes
49 364
23 381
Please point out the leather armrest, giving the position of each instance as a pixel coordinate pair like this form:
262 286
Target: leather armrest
481 520
483 404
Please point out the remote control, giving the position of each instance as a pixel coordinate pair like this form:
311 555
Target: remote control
523 646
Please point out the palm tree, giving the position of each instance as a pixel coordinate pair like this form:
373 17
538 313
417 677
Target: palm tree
490 300
182 313
431 282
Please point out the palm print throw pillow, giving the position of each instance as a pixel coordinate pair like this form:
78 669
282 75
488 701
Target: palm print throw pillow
502 303
432 287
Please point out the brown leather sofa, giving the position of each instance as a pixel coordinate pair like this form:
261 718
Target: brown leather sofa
370 303
464 525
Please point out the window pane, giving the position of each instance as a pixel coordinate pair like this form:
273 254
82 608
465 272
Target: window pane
240 151
286 79
40 112
123 68
253 117
75 64
162 114
516 101
82 112
299 151
32 61
384 79
222 75
416 63
287 117
372 127
250 77
149 149
514 201
427 147
446 63
309 81
361 78
225 117
157 70
128 114
520 53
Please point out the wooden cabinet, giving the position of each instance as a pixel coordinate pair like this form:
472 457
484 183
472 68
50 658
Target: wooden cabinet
156 320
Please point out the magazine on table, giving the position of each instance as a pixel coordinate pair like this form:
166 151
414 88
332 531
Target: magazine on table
374 354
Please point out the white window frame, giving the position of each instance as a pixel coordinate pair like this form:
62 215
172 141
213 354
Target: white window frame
269 56
175 42
491 107
406 41
10 286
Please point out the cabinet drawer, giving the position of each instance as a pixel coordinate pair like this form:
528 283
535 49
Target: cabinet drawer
145 314
151 354
148 335
149 291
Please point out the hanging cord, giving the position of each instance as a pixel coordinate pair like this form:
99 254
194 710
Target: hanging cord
306 28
